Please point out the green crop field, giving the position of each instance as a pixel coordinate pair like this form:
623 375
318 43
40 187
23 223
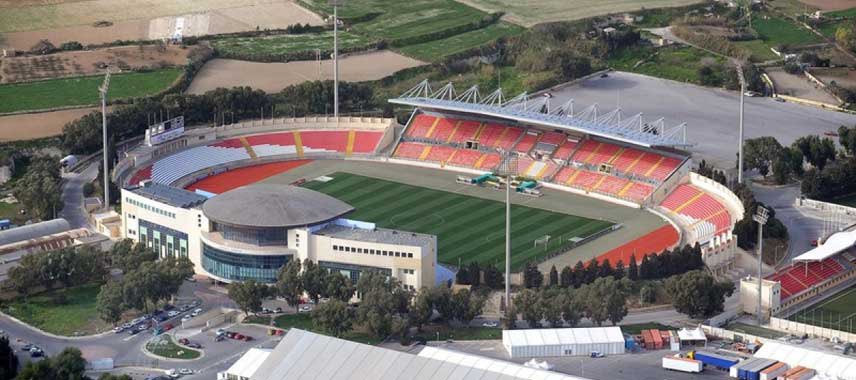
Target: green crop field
437 49
675 63
776 31
287 43
391 19
468 228
760 51
838 312
82 91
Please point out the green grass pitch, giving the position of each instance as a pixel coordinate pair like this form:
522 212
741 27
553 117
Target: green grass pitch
838 312
467 228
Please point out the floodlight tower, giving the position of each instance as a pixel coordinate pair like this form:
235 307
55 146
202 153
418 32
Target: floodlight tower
105 171
740 134
761 216
336 4
508 169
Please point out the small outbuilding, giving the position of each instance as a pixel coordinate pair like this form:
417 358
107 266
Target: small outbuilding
692 337
536 343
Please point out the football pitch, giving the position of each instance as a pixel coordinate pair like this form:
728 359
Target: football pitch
838 312
468 228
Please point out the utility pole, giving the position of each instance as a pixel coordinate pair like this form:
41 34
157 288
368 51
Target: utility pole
105 171
761 216
336 4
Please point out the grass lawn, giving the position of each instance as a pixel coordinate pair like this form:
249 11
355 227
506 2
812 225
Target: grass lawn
258 319
12 211
679 63
847 200
438 49
760 51
776 31
828 28
163 345
76 315
429 333
754 330
838 312
82 91
303 321
287 43
636 329
398 19
468 228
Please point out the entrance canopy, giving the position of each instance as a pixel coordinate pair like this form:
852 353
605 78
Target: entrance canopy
835 244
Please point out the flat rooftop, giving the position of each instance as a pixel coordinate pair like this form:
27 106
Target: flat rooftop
172 196
377 235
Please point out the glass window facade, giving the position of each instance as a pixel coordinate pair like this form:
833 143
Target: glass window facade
350 270
241 267
164 240
256 236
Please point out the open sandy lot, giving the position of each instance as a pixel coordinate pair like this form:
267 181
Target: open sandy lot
830 5
90 62
842 76
132 20
799 86
528 13
38 125
273 77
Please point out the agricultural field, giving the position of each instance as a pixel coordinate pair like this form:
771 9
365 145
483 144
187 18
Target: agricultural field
273 77
776 31
760 52
676 63
468 229
829 5
528 13
28 126
395 19
90 62
438 49
83 91
287 43
838 312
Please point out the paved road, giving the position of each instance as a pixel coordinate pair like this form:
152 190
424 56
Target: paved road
72 196
802 227
711 114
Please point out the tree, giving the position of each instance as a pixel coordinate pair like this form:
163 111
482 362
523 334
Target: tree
815 150
570 307
422 308
40 370
550 303
605 299
109 302
566 278
554 277
475 274
759 153
493 278
39 190
333 316
313 280
289 283
532 277
605 269
25 277
249 295
633 269
526 303
647 294
579 274
382 299
847 139
8 360
69 364
441 299
469 305
697 294
619 271
110 376
846 36
337 286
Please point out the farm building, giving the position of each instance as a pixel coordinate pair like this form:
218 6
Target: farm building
563 342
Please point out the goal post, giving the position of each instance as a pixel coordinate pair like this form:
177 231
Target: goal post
543 240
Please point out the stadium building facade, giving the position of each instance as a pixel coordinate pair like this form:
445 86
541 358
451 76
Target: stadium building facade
251 232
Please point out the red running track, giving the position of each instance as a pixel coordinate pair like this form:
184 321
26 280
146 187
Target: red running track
223 182
654 242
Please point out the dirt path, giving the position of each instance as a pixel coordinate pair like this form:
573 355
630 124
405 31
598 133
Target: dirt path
798 86
38 125
273 77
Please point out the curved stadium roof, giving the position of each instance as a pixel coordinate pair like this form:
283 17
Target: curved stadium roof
268 205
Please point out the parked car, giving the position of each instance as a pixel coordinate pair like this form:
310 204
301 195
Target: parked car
831 133
173 373
604 75
597 354
27 347
194 345
133 331
490 324
278 310
221 331
266 311
238 336
118 329
184 341
186 318
196 312
172 313
247 338
185 371
219 338
168 307
305 308
36 352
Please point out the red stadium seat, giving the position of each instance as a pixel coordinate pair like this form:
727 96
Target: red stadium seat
420 125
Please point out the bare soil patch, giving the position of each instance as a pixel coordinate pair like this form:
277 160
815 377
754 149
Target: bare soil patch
37 125
273 77
798 86
528 13
843 76
90 62
830 5
153 19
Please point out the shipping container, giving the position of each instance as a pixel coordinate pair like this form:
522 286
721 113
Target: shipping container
804 374
682 364
658 341
715 360
791 372
773 371
647 339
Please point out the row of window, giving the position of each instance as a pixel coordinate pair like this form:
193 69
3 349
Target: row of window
163 240
151 208
370 251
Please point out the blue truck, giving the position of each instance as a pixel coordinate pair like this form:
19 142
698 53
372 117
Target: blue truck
715 360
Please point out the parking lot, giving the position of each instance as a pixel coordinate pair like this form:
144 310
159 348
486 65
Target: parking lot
711 114
634 366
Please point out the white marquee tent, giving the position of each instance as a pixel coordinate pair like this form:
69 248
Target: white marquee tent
563 342
828 366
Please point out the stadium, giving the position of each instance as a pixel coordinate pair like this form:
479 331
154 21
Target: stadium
419 200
